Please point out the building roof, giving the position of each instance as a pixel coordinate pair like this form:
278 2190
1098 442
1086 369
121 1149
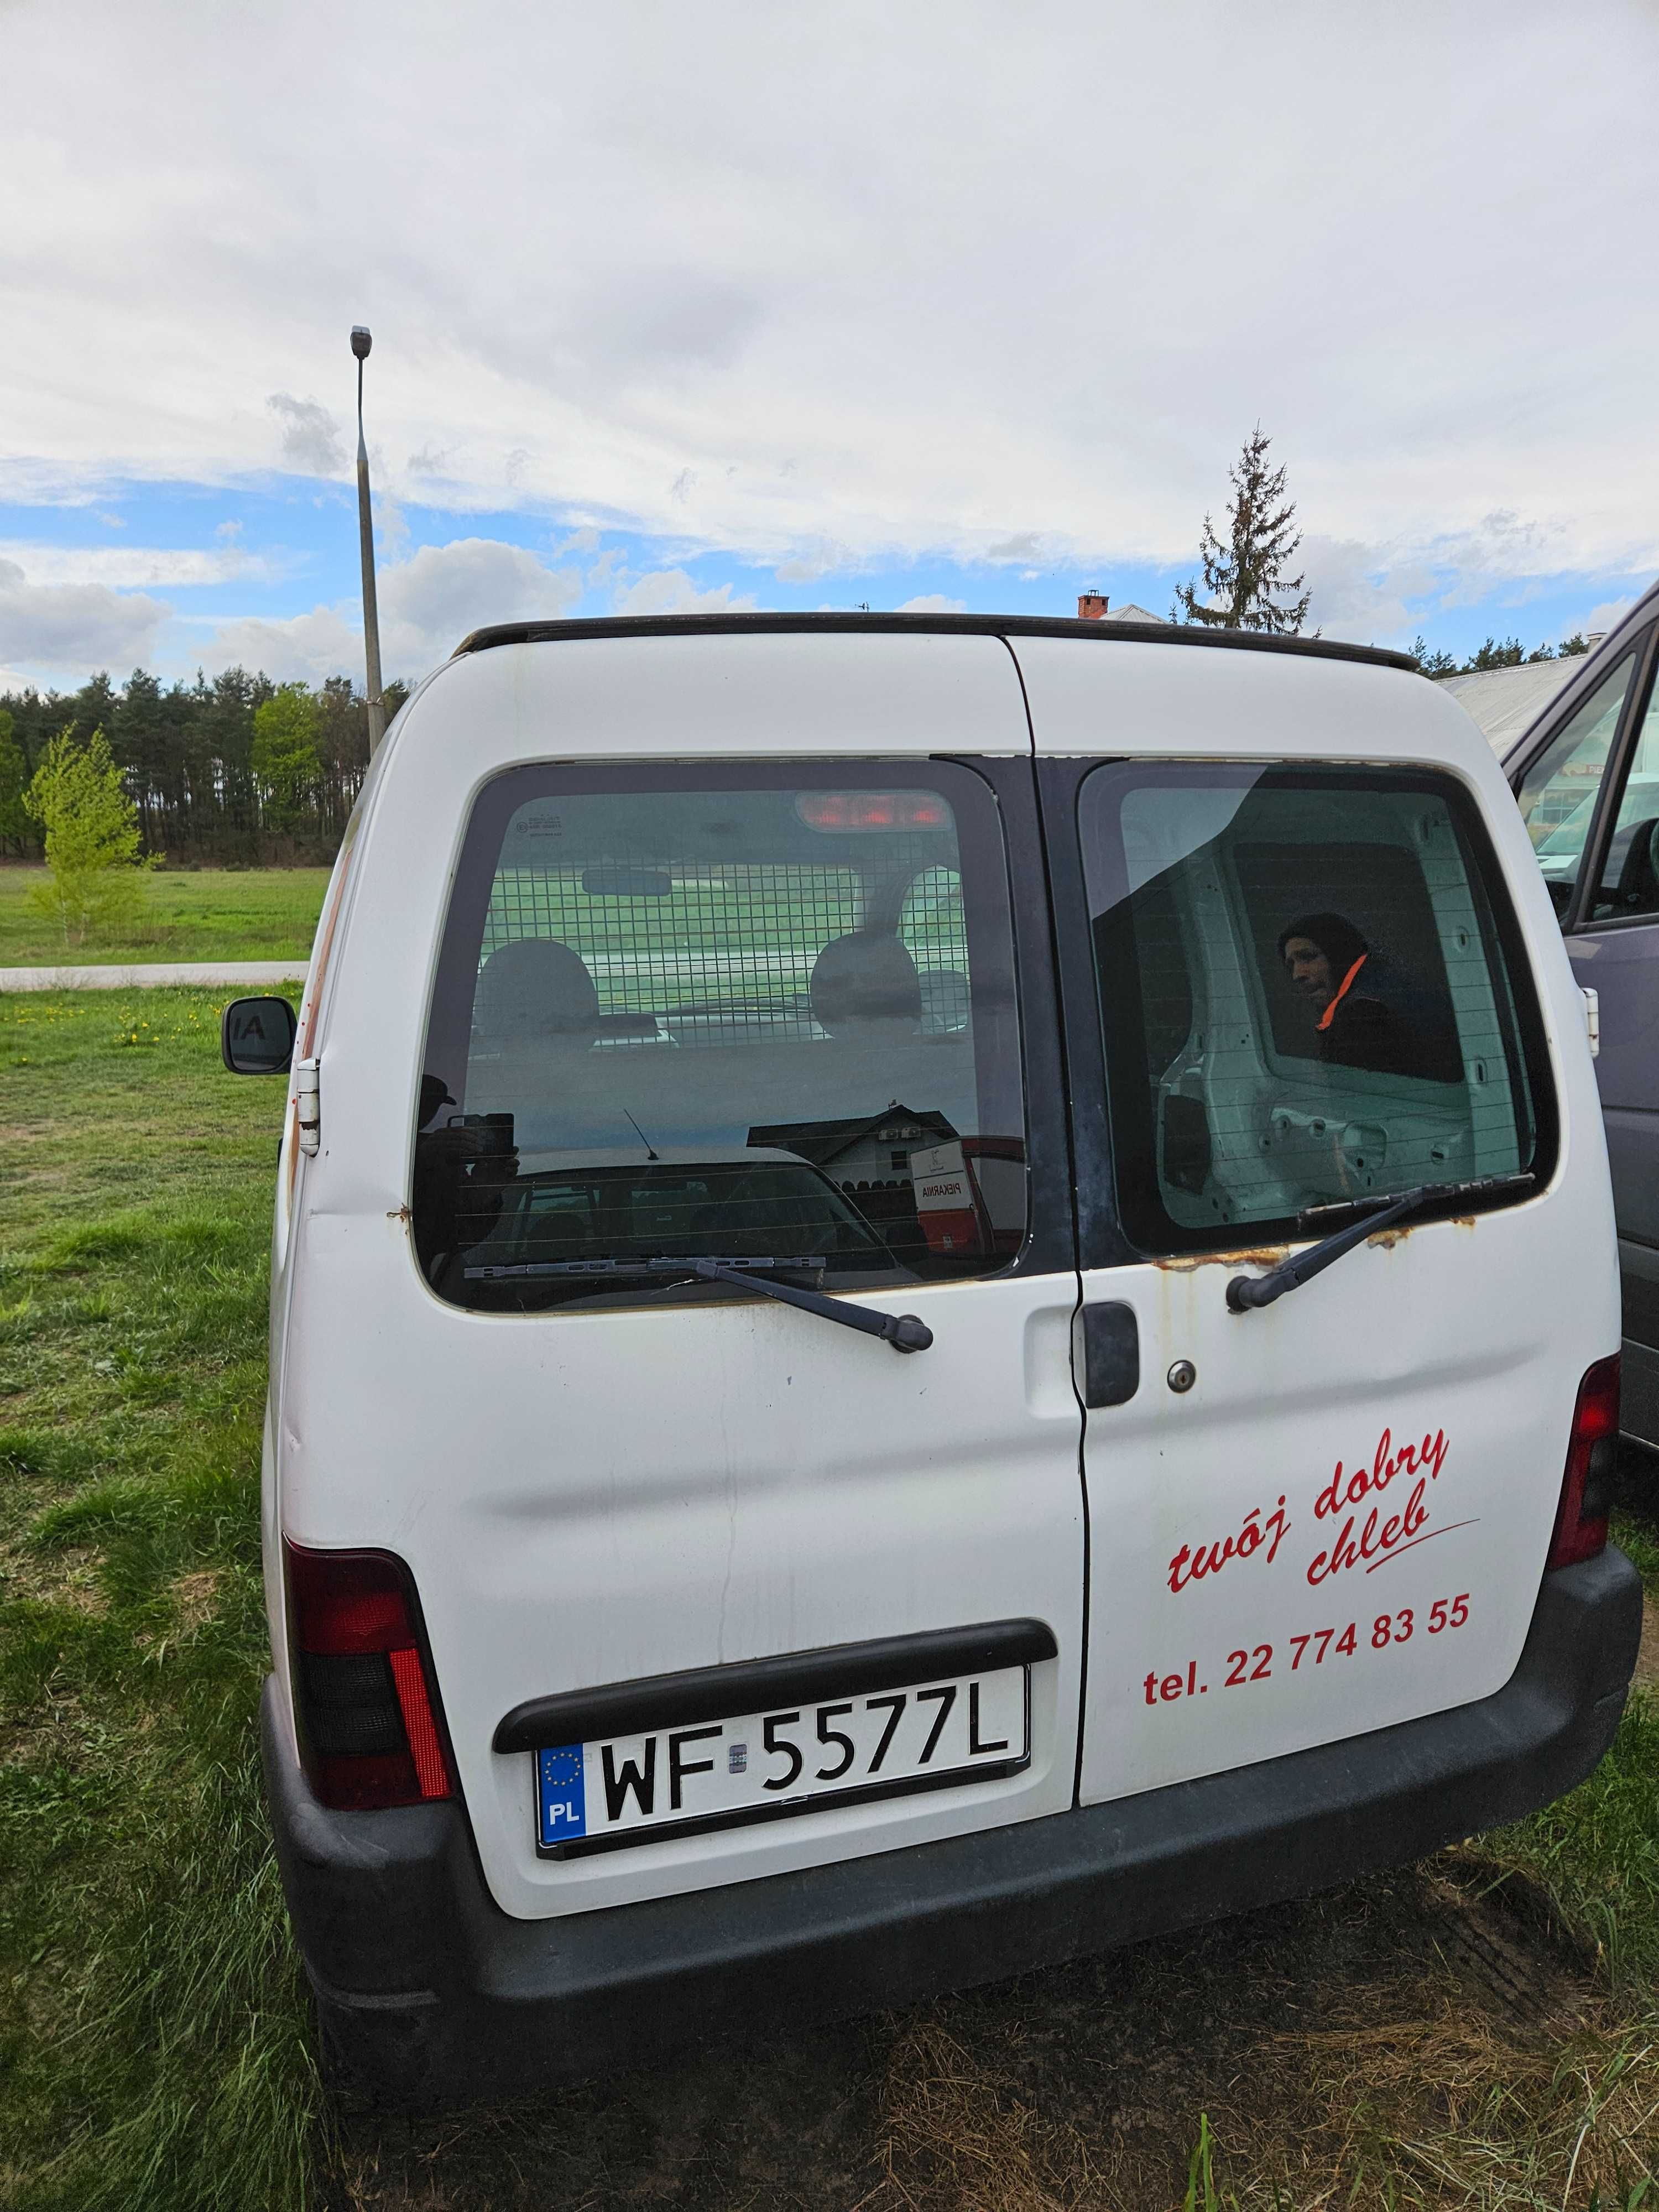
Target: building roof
820 1142
1129 612
1503 702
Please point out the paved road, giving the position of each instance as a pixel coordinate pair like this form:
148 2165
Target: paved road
209 972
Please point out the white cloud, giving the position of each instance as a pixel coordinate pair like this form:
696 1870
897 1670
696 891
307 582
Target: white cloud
1024 545
444 591
297 649
57 628
824 558
932 603
427 604
1002 295
671 591
310 436
1602 618
1359 591
126 566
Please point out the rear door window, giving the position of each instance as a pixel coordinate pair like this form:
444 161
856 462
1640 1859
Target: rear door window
757 1016
1313 992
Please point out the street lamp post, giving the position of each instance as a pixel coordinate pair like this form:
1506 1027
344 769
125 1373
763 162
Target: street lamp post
361 343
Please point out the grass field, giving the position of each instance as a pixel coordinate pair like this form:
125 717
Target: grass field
221 913
1479 2031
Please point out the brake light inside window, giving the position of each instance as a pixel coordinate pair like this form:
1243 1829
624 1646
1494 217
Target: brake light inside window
368 1726
1581 1522
873 809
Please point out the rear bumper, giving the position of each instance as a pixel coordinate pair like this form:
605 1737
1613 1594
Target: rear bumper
434 1995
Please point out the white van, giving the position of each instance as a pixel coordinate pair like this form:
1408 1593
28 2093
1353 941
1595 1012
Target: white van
886 1224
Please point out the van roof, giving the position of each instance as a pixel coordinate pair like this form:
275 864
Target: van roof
1109 632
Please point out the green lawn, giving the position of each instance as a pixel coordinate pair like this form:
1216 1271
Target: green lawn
153 2037
155 2051
219 914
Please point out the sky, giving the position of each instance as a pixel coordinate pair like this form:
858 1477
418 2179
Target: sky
745 306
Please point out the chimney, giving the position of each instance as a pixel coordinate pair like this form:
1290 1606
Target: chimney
1091 606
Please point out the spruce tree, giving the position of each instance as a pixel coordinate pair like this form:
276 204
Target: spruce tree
1244 583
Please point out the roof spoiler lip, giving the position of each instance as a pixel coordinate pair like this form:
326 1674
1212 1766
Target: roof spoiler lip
574 630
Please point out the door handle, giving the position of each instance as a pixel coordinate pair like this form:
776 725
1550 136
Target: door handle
1111 1353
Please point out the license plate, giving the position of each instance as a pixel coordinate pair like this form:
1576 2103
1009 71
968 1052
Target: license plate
759 1766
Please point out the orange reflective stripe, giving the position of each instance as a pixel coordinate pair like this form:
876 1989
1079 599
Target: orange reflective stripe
1324 1022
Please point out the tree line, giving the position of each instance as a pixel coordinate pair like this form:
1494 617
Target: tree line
242 770
1505 652
234 770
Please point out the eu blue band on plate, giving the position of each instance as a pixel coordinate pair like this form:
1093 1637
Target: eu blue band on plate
559 1793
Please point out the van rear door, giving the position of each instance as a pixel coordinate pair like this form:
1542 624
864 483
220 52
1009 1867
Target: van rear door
1295 985
729 955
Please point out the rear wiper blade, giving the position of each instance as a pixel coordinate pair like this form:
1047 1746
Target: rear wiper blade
1246 1292
904 1331
555 1270
1315 1217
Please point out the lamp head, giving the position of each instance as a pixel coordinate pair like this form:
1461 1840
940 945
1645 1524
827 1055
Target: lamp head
361 341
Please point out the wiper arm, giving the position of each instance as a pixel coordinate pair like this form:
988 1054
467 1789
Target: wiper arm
1245 1292
904 1331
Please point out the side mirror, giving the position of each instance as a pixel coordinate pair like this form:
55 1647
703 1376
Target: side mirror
256 1036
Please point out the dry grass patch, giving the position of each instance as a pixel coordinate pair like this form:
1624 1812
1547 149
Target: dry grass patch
958 2136
1458 2054
196 1598
63 1574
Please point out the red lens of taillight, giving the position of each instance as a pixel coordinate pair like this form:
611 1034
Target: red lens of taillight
1581 1522
369 1728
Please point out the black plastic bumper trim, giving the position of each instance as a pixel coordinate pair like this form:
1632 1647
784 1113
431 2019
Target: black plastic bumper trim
751 1686
430 1992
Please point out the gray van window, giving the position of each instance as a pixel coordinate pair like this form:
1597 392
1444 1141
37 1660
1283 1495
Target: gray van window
1558 794
1629 888
1306 995
739 1013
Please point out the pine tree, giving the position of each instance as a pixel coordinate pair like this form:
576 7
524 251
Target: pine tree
1244 581
1436 664
14 823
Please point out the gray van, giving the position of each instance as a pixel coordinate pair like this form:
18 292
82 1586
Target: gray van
1586 775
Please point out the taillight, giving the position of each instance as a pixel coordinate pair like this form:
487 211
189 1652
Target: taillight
1581 1522
368 1728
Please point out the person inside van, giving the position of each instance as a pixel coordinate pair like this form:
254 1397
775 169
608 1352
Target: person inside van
1324 957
